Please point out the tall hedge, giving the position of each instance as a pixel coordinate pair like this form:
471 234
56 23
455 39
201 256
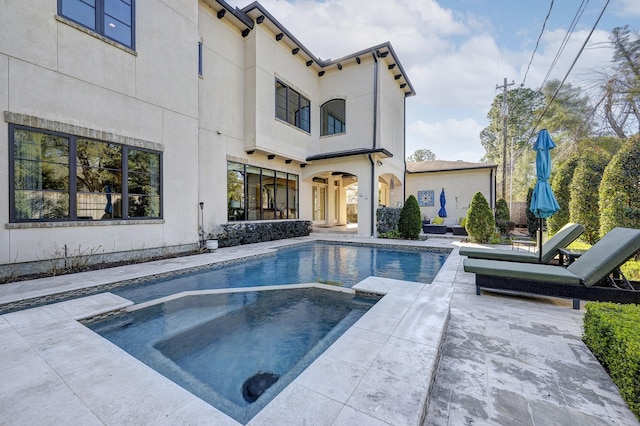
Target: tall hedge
583 205
620 189
410 222
503 217
480 221
561 185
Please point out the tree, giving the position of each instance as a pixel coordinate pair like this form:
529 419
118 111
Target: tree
410 222
480 222
620 189
583 204
523 105
532 221
561 185
421 155
503 217
619 102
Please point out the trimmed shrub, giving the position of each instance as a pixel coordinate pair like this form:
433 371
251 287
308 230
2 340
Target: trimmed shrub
410 223
387 219
610 332
480 221
583 205
532 221
235 234
620 189
561 185
503 217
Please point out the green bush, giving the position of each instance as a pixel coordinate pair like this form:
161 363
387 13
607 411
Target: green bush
561 185
583 205
480 221
610 332
533 222
387 219
235 234
410 223
620 189
503 217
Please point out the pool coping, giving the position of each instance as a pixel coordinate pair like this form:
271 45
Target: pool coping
379 372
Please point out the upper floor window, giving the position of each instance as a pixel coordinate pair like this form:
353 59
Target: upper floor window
292 107
56 176
332 115
111 18
200 59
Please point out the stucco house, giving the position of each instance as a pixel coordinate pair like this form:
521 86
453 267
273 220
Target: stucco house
460 181
128 123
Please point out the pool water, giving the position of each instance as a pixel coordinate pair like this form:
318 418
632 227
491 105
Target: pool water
340 264
215 344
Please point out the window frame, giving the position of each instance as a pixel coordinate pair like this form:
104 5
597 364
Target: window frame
288 202
300 117
72 190
329 120
100 12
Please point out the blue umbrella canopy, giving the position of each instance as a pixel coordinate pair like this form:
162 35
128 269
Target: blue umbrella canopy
443 200
543 202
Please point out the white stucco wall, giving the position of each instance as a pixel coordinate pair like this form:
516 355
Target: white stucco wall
459 187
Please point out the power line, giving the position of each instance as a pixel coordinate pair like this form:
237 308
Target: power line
537 43
570 68
567 36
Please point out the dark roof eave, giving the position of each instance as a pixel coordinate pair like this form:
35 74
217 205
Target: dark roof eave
237 13
349 153
454 169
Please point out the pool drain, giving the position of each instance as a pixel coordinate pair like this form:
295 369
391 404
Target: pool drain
255 385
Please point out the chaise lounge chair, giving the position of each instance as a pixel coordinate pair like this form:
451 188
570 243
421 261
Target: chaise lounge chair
561 239
593 276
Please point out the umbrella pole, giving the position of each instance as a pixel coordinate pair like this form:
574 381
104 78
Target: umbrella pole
540 241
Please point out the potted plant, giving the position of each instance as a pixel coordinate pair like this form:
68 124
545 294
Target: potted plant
211 241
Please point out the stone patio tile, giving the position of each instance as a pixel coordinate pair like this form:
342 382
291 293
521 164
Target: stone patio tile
332 377
354 350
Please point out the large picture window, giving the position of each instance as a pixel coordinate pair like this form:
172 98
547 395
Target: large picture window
256 193
292 107
57 177
111 18
332 116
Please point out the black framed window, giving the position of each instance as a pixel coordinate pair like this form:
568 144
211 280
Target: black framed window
256 193
200 58
332 117
111 18
292 107
58 177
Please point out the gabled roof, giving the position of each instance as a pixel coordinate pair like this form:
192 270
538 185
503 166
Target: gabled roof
445 166
255 13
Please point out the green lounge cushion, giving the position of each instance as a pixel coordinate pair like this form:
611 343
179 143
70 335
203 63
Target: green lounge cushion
614 249
438 220
523 271
565 236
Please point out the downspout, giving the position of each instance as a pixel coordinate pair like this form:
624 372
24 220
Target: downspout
491 189
404 137
375 134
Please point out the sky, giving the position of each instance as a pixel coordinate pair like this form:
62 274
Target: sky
456 52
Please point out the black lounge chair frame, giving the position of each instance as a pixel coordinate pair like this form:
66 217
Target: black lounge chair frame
604 292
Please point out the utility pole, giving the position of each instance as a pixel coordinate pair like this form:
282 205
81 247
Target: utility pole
505 113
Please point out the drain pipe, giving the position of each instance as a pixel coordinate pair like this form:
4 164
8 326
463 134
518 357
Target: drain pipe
375 142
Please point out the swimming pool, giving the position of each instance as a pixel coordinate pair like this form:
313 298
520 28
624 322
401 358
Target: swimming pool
238 350
340 264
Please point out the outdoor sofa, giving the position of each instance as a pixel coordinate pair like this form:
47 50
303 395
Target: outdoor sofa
565 236
593 276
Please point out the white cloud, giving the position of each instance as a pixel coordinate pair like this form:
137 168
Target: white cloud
450 139
626 8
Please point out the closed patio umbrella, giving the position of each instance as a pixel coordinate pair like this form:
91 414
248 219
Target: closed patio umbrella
443 200
543 202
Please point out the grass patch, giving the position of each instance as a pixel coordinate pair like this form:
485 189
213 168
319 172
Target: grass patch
631 269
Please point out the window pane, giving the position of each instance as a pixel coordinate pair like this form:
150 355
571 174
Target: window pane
99 180
116 30
281 101
292 196
81 11
143 183
235 191
34 205
254 191
332 115
119 10
303 119
293 107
